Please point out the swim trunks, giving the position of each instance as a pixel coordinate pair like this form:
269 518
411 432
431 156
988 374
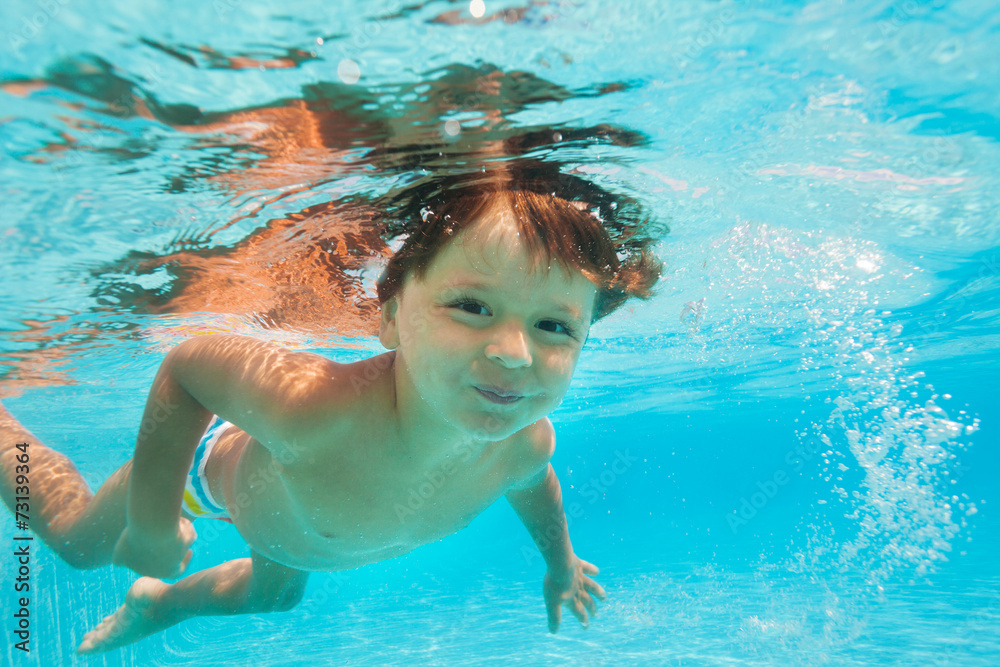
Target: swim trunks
198 500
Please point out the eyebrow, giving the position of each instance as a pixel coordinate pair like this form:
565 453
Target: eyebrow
558 305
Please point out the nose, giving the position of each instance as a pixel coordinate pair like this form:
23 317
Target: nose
509 346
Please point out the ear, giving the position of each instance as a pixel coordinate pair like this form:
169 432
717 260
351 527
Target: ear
388 330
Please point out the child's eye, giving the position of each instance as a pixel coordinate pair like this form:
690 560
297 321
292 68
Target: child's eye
568 330
469 302
471 306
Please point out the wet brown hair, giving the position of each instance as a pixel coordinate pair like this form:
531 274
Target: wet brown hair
560 216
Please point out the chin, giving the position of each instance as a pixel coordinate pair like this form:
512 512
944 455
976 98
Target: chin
493 428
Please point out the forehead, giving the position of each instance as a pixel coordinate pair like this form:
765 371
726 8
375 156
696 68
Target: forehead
492 252
492 245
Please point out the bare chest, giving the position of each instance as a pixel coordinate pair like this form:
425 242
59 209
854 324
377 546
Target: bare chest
325 518
375 504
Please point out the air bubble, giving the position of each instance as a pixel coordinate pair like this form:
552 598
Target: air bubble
348 71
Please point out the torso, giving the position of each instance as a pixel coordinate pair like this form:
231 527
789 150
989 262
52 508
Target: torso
380 505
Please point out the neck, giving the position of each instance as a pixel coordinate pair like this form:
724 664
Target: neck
423 435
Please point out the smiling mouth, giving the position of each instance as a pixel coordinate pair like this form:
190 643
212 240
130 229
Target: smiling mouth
499 398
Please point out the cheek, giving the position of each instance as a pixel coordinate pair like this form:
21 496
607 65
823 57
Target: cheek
560 364
447 337
437 349
422 330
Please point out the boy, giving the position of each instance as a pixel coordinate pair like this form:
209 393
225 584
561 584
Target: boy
485 309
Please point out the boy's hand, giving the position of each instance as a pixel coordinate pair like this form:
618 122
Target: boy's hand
572 587
160 558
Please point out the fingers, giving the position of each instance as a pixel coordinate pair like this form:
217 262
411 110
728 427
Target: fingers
578 596
555 615
188 535
580 605
581 614
595 588
184 563
187 532
589 604
583 603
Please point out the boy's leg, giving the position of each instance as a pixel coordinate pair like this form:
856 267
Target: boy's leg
78 525
244 586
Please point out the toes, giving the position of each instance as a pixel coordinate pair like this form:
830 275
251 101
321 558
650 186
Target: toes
88 643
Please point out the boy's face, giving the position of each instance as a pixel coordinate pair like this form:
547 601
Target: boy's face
480 319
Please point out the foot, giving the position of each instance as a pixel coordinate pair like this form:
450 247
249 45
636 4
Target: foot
135 619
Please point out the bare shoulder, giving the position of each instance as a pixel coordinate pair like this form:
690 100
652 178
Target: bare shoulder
334 396
339 402
531 448
540 441
275 394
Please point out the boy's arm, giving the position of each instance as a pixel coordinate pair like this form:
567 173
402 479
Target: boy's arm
269 391
538 504
537 501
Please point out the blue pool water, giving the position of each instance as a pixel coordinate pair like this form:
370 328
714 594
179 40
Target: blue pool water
788 456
